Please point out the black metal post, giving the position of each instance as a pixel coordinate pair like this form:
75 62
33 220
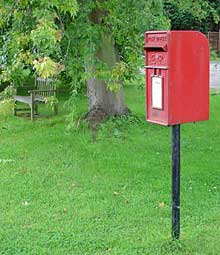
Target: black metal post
176 181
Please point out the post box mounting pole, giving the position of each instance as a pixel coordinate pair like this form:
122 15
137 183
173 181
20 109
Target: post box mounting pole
171 73
176 181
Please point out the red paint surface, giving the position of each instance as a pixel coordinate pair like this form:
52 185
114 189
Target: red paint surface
181 58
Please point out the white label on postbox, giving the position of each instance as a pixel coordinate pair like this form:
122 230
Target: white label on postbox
157 93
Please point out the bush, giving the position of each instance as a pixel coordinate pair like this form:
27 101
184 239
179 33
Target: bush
6 101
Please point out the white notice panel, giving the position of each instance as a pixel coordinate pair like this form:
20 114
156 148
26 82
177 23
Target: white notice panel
157 92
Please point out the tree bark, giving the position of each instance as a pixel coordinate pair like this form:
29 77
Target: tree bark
99 96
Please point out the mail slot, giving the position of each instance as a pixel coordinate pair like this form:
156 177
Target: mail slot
177 77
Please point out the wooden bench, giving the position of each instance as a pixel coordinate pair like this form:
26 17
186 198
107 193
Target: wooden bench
44 88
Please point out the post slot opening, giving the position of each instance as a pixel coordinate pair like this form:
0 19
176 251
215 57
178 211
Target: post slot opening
156 48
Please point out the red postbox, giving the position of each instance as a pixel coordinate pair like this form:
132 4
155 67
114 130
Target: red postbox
177 77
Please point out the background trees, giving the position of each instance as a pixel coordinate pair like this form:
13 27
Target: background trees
192 15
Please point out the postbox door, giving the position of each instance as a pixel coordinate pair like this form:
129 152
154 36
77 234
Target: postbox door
157 86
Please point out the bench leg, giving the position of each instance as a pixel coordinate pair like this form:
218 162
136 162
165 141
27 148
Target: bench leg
36 109
32 107
32 112
15 109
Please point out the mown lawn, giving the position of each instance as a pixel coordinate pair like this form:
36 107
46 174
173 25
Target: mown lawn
60 193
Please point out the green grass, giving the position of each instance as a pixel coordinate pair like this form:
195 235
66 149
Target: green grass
63 194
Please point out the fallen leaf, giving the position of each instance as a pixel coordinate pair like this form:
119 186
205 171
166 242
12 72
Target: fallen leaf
25 203
109 250
162 205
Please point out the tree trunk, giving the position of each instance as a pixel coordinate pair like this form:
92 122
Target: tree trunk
99 96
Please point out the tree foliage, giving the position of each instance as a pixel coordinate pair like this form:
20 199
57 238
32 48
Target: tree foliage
44 36
31 32
126 21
